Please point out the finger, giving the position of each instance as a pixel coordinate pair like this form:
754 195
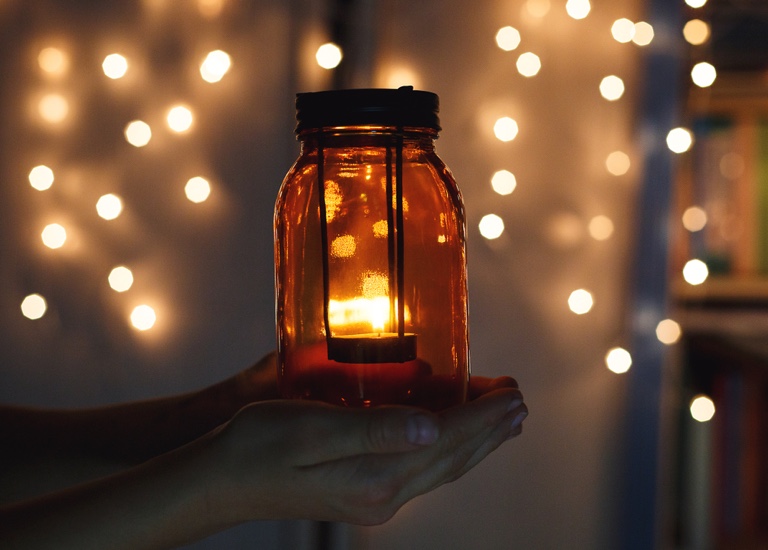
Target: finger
480 385
335 433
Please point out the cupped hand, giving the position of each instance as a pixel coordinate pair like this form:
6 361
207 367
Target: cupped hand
308 460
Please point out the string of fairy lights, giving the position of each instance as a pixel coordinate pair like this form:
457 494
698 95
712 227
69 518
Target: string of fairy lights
53 109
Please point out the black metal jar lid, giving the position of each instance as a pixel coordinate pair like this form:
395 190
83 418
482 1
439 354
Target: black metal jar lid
401 107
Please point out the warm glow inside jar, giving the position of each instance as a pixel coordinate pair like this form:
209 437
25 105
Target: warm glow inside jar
371 290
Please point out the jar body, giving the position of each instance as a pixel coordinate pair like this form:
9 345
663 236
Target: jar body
386 262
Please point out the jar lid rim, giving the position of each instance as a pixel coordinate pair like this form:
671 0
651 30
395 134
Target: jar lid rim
399 107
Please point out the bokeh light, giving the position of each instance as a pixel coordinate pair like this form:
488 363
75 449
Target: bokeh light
115 66
503 182
505 129
528 64
643 33
623 30
179 118
702 408
215 65
143 317
537 8
679 140
694 218
695 272
696 32
328 55
120 279
197 189
696 3
53 108
53 61
617 163
601 228
109 206
668 331
578 9
138 133
491 226
703 74
508 38
612 87
33 306
580 301
41 177
618 360
54 235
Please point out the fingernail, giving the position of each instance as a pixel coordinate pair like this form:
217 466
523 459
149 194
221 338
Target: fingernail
421 429
515 403
517 420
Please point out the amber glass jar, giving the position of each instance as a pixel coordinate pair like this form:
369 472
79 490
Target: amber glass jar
370 262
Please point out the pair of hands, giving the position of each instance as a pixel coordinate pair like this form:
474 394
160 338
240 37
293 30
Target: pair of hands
302 459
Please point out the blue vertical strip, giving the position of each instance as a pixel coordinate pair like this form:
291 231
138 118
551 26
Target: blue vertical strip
659 112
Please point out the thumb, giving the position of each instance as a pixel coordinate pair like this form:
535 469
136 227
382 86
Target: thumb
339 433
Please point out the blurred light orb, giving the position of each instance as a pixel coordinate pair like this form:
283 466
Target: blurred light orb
120 279
528 64
679 140
694 218
215 65
179 118
503 182
54 235
601 228
696 3
580 301
53 61
210 8
643 33
197 189
328 55
617 163
491 226
41 177
109 206
695 272
668 331
703 74
696 32
578 9
623 30
53 108
33 306
702 408
138 133
537 8
115 66
143 317
618 360
505 129
508 38
611 87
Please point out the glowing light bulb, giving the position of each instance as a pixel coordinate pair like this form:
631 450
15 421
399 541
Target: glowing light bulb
580 301
505 129
508 38
696 32
491 226
109 206
328 55
578 9
695 272
197 189
679 140
503 182
643 33
617 163
115 66
696 3
215 65
33 306
612 87
41 177
120 279
138 133
601 228
53 61
143 317
703 74
54 235
623 30
53 108
528 64
179 118
618 360
668 331
702 408
694 218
